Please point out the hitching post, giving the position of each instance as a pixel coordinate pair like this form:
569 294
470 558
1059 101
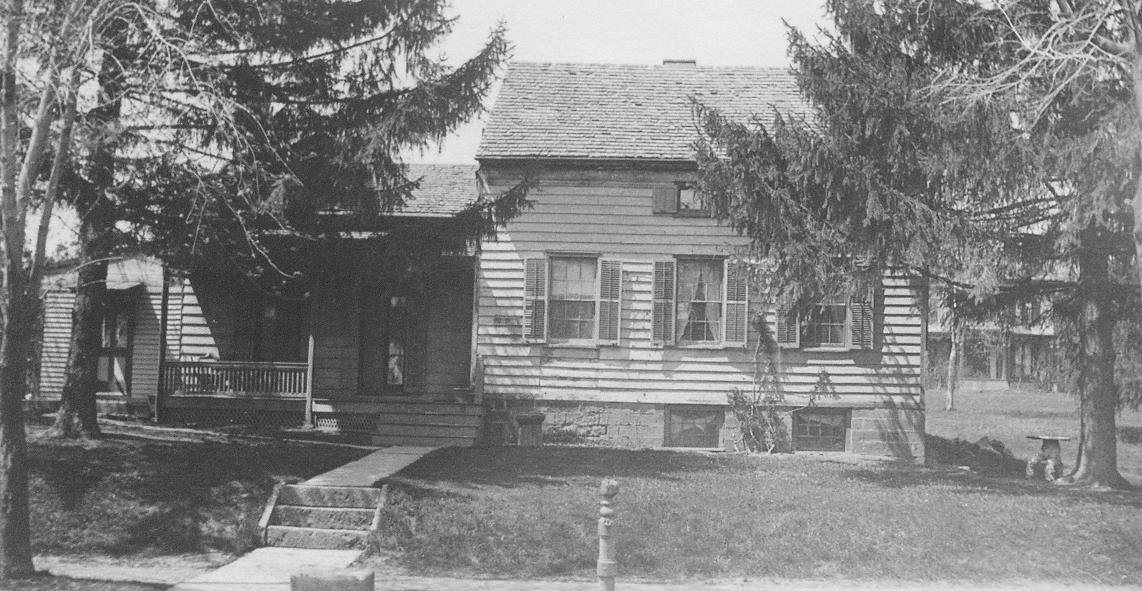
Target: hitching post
607 567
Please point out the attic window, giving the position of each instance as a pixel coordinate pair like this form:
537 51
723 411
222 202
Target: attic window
680 199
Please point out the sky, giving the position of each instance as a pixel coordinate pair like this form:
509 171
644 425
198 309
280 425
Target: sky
713 32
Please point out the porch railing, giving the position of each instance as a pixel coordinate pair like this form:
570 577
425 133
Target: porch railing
235 378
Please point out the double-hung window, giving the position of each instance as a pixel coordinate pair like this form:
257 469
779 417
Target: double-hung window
700 301
572 299
838 321
699 307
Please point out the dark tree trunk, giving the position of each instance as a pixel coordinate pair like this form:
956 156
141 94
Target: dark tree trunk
77 413
15 532
1098 442
17 320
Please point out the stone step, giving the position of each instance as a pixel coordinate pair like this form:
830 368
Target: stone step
323 517
306 537
427 430
344 497
421 440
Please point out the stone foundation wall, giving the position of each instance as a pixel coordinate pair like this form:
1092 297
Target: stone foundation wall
892 432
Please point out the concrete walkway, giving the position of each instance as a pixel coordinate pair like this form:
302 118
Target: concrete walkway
371 469
270 569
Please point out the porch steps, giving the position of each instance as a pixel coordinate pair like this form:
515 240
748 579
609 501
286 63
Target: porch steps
385 422
327 517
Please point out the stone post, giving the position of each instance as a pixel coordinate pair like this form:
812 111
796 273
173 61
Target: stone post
607 567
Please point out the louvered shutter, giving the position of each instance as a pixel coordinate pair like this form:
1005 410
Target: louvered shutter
737 304
663 323
610 300
535 300
861 310
788 329
665 199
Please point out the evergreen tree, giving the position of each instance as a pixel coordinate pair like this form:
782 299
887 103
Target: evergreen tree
974 196
212 124
258 116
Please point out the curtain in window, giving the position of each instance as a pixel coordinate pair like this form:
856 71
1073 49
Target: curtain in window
699 301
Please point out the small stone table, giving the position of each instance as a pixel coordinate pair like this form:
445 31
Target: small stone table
1050 457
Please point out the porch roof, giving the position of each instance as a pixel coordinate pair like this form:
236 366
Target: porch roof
445 190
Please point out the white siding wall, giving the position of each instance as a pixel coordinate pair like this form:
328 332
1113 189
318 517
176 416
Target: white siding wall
145 280
609 214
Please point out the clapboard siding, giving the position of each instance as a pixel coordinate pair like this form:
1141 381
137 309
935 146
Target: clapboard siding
143 280
611 218
58 305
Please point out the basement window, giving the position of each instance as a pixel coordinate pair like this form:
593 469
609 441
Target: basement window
820 430
694 426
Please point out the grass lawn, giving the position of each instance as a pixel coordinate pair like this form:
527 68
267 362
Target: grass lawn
152 491
65 584
521 513
1012 415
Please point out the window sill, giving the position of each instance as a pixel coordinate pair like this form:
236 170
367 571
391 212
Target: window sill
704 346
579 345
820 349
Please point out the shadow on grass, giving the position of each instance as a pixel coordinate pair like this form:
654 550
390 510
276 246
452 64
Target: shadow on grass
552 465
128 494
975 473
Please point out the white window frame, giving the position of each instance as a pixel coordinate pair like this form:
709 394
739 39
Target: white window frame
740 305
608 291
798 322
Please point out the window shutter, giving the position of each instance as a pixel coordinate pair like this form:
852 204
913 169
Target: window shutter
665 199
535 300
737 304
610 300
788 329
861 310
663 326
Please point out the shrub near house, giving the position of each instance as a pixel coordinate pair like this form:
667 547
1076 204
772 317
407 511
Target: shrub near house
618 306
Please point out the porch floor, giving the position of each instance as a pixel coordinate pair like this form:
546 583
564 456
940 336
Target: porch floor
371 469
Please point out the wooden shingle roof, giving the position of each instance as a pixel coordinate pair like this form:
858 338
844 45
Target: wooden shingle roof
445 189
623 112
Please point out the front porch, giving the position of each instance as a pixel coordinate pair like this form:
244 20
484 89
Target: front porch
352 358
275 394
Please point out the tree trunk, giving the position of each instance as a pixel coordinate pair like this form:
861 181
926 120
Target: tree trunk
77 413
1097 465
77 416
15 530
1136 201
953 366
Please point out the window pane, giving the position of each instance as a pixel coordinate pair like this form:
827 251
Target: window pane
571 311
699 301
693 427
819 430
691 200
825 326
